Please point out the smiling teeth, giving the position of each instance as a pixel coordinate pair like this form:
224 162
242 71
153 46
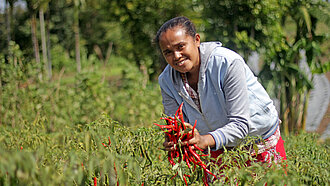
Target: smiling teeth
180 63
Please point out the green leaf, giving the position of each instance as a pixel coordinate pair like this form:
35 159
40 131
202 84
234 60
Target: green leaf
180 173
175 166
307 19
255 147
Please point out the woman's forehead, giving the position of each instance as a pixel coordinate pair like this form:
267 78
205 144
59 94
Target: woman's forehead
173 36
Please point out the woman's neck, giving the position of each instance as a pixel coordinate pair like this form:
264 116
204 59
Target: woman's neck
192 78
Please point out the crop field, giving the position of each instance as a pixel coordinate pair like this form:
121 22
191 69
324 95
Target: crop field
55 134
104 152
79 95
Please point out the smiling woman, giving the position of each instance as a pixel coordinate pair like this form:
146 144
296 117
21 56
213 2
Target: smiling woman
180 50
218 90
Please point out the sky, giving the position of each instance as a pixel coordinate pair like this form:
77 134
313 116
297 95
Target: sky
2 4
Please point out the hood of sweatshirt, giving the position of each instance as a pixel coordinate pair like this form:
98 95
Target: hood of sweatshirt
205 50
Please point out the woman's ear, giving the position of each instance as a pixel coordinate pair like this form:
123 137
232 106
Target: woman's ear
197 39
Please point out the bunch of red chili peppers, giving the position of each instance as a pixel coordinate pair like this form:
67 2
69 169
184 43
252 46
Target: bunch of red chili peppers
177 132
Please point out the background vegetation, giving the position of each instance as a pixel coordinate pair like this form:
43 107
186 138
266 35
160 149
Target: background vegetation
75 72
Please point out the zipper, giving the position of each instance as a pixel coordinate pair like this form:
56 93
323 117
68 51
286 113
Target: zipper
191 103
200 82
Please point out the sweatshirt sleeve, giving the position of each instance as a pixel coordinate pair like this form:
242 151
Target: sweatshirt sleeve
237 105
169 103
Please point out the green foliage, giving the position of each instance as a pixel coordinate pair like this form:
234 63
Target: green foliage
309 159
140 21
74 155
57 124
282 66
79 98
51 134
247 26
243 26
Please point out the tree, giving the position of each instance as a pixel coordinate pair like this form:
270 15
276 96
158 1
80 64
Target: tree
45 54
285 58
259 26
9 23
100 31
77 5
33 6
76 32
242 25
140 21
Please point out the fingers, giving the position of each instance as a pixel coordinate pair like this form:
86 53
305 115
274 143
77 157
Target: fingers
168 145
193 140
188 125
166 138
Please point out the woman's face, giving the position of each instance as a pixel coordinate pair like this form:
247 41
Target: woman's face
180 50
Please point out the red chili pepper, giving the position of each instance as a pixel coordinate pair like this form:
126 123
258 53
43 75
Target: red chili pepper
104 145
186 157
192 159
174 175
207 170
198 147
205 179
177 111
187 175
176 132
168 120
170 158
114 165
185 180
194 154
109 141
95 181
164 126
193 130
181 116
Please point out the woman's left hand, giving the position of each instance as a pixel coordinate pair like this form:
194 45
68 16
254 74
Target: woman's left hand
202 141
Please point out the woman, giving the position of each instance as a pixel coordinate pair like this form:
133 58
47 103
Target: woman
218 90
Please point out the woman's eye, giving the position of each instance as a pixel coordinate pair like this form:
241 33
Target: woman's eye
166 53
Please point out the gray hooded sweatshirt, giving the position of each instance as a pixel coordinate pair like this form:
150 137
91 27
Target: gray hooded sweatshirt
233 103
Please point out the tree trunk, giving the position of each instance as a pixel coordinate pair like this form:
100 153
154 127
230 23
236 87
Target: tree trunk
303 127
76 36
50 73
107 57
98 52
284 107
1 98
43 40
8 30
35 43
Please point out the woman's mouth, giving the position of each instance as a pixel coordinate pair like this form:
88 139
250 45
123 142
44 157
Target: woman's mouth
180 63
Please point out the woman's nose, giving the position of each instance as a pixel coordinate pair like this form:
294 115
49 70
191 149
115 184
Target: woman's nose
177 54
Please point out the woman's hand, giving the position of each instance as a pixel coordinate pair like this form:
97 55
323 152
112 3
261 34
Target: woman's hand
168 145
202 141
